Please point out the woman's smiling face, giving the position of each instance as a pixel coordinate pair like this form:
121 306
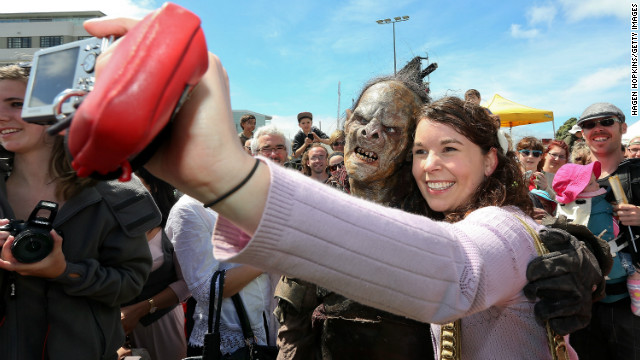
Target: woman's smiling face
447 166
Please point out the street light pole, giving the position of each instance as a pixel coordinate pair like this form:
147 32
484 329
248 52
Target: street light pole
393 22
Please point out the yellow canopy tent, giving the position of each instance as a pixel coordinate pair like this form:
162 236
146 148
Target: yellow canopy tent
513 114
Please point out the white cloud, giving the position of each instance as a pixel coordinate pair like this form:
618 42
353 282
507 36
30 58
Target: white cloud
536 15
541 14
601 80
519 33
288 124
577 10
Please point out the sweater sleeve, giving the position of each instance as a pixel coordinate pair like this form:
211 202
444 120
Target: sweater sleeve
385 258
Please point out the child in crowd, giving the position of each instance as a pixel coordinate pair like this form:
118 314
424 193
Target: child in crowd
582 201
307 135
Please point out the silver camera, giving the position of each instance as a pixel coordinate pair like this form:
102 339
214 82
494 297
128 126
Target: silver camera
60 77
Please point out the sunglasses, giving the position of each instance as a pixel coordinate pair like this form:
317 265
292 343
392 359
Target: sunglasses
336 166
525 152
339 143
588 125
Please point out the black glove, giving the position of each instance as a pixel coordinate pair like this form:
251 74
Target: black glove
598 247
564 280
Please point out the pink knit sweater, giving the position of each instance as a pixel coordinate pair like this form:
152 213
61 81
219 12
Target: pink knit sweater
409 265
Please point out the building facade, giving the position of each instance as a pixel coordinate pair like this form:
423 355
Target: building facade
22 34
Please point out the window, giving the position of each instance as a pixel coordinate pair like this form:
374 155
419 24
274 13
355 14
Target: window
18 42
48 41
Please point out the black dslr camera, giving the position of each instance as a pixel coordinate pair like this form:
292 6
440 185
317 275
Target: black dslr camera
32 239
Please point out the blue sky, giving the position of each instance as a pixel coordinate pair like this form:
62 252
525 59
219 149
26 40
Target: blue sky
284 57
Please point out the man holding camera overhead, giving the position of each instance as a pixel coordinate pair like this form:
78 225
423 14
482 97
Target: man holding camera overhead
307 135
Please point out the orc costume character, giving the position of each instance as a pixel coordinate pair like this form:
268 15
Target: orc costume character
318 324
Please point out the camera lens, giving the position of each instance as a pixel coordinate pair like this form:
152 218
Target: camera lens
30 247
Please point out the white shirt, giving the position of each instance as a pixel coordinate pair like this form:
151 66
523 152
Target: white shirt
190 226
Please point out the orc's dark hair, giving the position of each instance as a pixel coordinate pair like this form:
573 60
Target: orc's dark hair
504 186
417 89
163 193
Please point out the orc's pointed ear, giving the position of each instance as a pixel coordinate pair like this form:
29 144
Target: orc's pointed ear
349 113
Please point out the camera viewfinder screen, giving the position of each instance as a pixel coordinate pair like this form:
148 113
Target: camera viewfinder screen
54 74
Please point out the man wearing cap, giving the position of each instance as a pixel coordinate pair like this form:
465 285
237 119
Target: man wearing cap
614 332
307 135
575 135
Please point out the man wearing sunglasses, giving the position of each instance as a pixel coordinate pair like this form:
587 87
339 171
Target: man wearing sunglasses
614 331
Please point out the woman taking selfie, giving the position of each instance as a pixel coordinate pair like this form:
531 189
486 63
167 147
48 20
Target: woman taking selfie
66 306
471 266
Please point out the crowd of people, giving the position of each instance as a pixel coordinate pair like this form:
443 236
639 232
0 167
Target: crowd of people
432 238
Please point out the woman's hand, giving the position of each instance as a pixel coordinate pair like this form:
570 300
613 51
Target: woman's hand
123 352
540 180
50 267
130 315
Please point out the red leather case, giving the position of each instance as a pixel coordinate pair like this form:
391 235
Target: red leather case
159 59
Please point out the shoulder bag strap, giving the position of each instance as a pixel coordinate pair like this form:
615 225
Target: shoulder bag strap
220 274
211 348
247 332
556 342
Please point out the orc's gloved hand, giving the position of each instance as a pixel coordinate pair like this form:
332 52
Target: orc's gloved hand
569 278
598 247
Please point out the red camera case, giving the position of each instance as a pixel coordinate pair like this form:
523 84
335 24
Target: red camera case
144 83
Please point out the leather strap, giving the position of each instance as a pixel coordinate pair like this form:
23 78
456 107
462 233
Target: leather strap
212 296
557 346
211 348
247 332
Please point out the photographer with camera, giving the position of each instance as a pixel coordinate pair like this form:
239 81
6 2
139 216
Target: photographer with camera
307 135
67 305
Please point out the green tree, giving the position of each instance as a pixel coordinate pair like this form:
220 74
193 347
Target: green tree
563 131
